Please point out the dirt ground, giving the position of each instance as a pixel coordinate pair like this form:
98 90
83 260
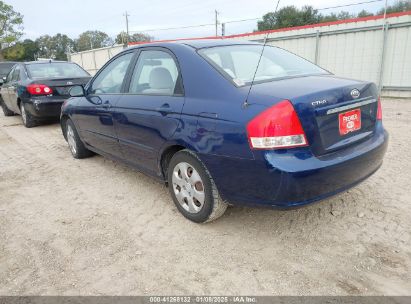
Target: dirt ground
96 227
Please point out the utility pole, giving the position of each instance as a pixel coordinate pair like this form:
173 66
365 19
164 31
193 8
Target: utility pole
216 23
127 31
385 13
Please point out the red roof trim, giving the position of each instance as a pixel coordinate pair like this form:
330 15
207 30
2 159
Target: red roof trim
393 15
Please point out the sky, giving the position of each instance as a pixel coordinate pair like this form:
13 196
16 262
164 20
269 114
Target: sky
73 17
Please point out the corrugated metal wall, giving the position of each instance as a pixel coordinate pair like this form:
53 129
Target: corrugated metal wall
359 49
93 60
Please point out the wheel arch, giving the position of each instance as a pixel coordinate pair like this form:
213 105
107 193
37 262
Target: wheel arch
63 120
166 155
18 102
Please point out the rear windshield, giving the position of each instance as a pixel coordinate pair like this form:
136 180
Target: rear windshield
239 63
5 68
55 70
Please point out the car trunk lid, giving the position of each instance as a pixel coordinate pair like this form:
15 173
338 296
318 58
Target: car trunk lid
62 86
334 112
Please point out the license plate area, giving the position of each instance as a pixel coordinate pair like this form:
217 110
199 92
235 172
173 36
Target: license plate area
349 121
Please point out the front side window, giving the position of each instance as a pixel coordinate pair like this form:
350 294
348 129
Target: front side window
156 73
16 74
10 75
239 63
111 78
5 68
55 70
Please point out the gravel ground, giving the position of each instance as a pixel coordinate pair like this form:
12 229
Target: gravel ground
96 227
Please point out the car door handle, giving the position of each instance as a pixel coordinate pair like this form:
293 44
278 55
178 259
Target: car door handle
164 109
208 115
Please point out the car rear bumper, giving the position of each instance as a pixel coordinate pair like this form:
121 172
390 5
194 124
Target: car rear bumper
295 177
43 108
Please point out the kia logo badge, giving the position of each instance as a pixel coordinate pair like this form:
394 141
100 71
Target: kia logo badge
355 93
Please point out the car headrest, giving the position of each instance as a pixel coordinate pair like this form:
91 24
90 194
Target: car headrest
160 78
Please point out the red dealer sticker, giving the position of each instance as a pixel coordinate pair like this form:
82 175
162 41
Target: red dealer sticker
350 121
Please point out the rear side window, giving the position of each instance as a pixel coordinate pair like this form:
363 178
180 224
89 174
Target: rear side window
156 73
110 79
239 63
55 70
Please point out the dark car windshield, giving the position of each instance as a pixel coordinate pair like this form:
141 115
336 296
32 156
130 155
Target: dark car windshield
55 70
5 68
239 63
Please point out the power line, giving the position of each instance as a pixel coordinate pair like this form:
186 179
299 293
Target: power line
248 19
175 28
346 5
242 20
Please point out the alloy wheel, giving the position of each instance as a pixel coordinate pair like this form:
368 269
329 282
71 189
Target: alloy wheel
23 114
71 140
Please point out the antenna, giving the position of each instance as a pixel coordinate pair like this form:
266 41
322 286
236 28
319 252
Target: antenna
259 60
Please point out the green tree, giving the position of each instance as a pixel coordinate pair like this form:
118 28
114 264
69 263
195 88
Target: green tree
14 53
55 47
398 6
336 16
289 16
136 37
92 40
343 15
329 17
364 13
31 50
21 51
11 24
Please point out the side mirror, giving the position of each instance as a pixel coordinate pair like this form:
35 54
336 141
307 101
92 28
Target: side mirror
77 91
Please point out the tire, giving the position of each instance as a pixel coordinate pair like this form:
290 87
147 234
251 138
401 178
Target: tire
77 148
192 188
5 109
28 120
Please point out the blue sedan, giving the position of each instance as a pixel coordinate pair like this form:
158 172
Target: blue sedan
201 117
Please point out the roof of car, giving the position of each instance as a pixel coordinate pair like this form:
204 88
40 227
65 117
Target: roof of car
45 61
205 43
197 43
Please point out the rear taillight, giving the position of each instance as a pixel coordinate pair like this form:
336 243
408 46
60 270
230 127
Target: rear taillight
39 89
379 110
276 128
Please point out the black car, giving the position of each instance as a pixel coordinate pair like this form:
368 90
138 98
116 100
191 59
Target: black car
36 90
5 68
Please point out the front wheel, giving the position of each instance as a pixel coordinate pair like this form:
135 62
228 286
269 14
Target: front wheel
192 188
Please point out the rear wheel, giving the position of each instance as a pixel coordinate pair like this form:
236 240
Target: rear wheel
28 120
77 148
192 188
5 109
